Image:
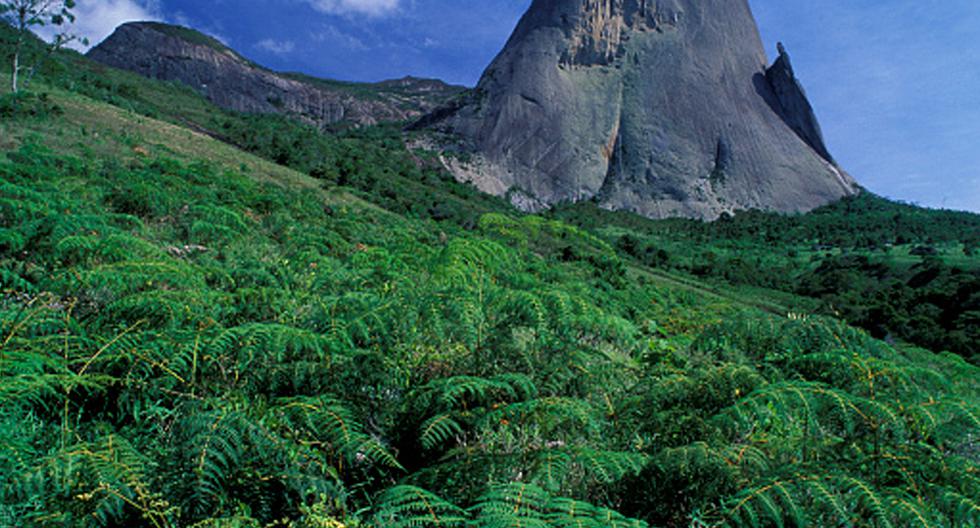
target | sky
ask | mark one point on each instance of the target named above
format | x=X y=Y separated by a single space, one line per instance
x=895 y=83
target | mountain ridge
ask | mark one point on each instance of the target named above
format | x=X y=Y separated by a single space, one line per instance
x=233 y=82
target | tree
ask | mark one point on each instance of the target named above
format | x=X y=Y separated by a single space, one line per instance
x=971 y=245
x=26 y=15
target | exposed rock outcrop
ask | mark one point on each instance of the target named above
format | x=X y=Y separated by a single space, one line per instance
x=792 y=104
x=230 y=81
x=661 y=107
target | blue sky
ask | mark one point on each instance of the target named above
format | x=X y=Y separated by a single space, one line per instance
x=896 y=83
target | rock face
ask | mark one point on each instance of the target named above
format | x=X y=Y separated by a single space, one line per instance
x=660 y=107
x=230 y=81
x=791 y=103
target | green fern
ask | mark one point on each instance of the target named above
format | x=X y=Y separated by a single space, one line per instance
x=412 y=507
x=335 y=428
x=438 y=430
x=524 y=505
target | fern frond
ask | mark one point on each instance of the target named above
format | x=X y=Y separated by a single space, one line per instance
x=869 y=498
x=960 y=509
x=459 y=391
x=912 y=513
x=828 y=499
x=412 y=507
x=560 y=415
x=523 y=505
x=437 y=430
x=332 y=424
x=609 y=466
x=803 y=405
x=461 y=255
x=214 y=447
x=512 y=505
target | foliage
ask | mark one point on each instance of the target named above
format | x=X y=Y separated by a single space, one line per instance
x=26 y=16
x=184 y=343
x=898 y=271
x=256 y=352
x=26 y=105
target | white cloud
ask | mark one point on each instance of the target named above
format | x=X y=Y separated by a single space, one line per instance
x=97 y=19
x=338 y=37
x=278 y=47
x=355 y=7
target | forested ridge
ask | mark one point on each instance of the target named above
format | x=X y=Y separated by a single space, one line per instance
x=193 y=335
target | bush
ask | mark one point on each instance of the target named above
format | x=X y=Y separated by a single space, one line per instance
x=28 y=105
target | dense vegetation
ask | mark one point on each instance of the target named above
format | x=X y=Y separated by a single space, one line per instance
x=896 y=270
x=187 y=340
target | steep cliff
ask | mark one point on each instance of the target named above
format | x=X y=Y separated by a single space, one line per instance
x=229 y=80
x=792 y=104
x=661 y=107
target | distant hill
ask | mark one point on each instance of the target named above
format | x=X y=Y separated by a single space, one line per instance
x=231 y=81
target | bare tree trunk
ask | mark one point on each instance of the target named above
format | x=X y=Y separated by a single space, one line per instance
x=13 y=77
x=22 y=28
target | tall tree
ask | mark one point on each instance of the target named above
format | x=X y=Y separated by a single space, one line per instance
x=27 y=15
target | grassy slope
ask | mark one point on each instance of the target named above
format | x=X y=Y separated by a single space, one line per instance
x=101 y=131
x=193 y=334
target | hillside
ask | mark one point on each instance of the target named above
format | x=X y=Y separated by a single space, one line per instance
x=899 y=271
x=224 y=320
